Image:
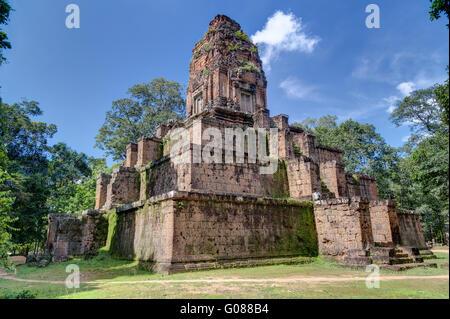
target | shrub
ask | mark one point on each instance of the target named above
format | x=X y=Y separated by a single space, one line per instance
x=240 y=34
x=249 y=66
x=23 y=294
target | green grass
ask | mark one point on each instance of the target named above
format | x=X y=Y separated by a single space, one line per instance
x=105 y=274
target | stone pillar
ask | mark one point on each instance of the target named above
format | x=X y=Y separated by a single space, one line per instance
x=373 y=189
x=411 y=233
x=132 y=150
x=162 y=130
x=303 y=178
x=261 y=118
x=101 y=189
x=281 y=121
x=332 y=173
x=149 y=150
x=384 y=222
x=344 y=229
x=367 y=186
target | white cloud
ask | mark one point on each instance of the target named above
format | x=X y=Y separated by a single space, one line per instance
x=391 y=109
x=406 y=87
x=294 y=88
x=390 y=101
x=283 y=32
x=405 y=138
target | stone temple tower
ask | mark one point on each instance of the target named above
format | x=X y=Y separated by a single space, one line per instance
x=176 y=206
x=226 y=79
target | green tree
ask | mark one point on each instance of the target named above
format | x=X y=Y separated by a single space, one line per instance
x=26 y=145
x=438 y=7
x=365 y=151
x=149 y=105
x=5 y=9
x=441 y=94
x=72 y=178
x=6 y=202
x=427 y=156
x=420 y=110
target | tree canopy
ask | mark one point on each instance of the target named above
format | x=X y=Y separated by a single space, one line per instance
x=148 y=105
x=438 y=7
x=5 y=9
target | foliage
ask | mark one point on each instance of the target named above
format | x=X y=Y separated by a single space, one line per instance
x=149 y=105
x=6 y=201
x=241 y=34
x=233 y=47
x=438 y=7
x=425 y=167
x=23 y=294
x=441 y=94
x=421 y=109
x=5 y=9
x=248 y=66
x=46 y=178
x=72 y=177
x=206 y=48
x=25 y=142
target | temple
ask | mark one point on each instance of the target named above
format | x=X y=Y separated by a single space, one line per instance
x=196 y=195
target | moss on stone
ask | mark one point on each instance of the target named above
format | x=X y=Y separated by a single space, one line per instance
x=279 y=188
x=112 y=227
x=297 y=150
x=302 y=240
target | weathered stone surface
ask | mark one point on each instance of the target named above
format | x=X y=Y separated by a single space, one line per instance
x=149 y=149
x=123 y=187
x=132 y=155
x=343 y=226
x=410 y=229
x=102 y=189
x=75 y=234
x=192 y=228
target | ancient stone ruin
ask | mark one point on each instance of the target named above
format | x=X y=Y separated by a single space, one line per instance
x=192 y=198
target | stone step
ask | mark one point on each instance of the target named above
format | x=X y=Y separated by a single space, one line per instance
x=401 y=260
x=401 y=267
x=401 y=255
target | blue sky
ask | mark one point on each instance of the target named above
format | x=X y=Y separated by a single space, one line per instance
x=324 y=60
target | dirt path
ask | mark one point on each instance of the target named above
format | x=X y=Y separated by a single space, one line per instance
x=439 y=251
x=231 y=280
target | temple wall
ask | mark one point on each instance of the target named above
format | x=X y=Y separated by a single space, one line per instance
x=144 y=234
x=196 y=230
x=327 y=154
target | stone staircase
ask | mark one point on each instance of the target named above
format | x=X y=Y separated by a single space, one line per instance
x=392 y=258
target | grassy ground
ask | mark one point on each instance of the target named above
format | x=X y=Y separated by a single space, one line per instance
x=107 y=278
